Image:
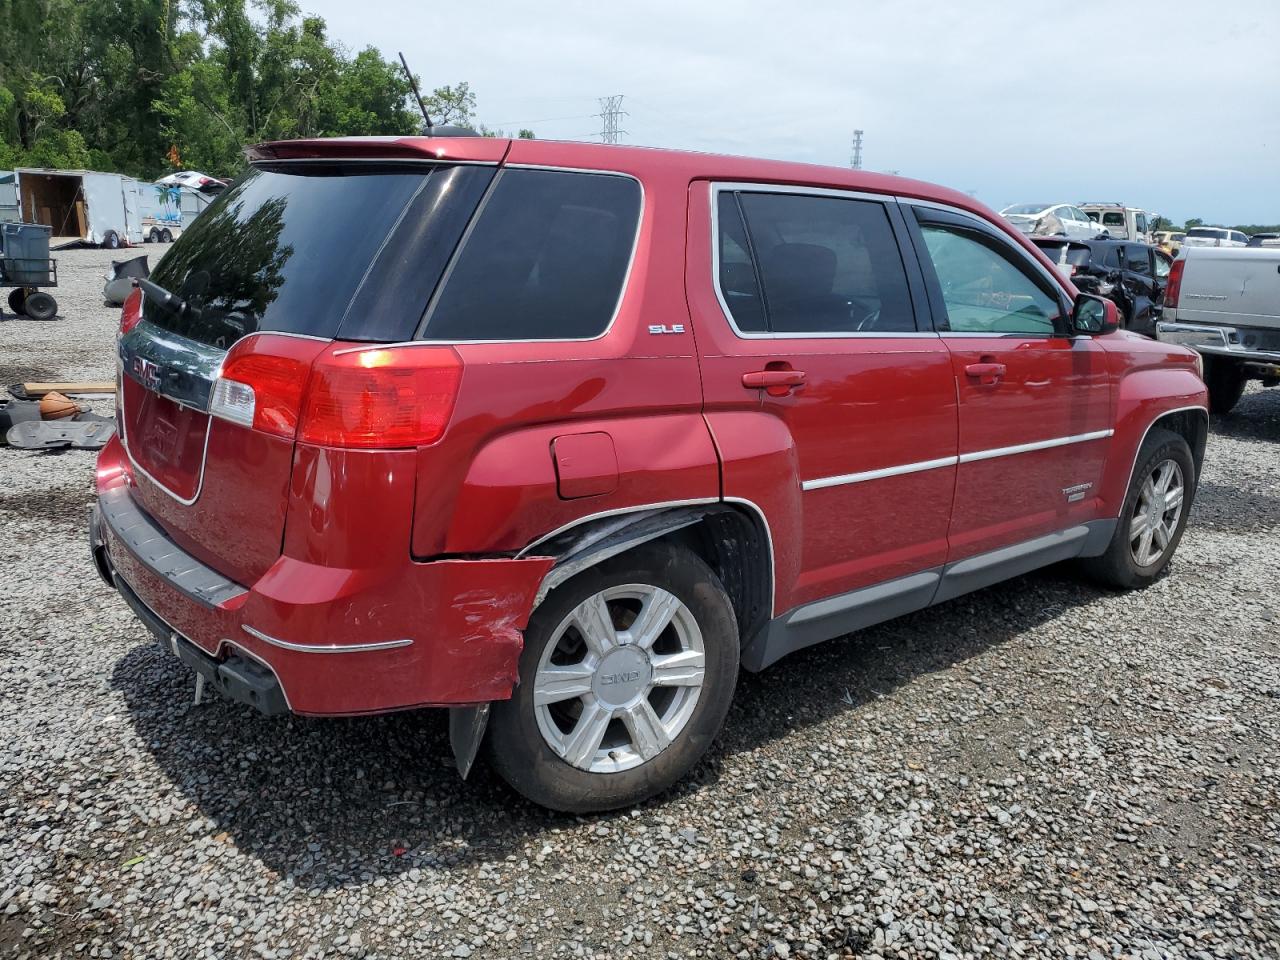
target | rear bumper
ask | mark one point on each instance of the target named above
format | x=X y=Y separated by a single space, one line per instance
x=1249 y=344
x=332 y=641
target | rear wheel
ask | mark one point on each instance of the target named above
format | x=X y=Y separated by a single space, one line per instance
x=1226 y=383
x=17 y=299
x=153 y=236
x=626 y=677
x=1154 y=515
x=166 y=235
x=111 y=240
x=40 y=306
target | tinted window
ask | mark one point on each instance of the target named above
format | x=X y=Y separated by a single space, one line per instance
x=738 y=282
x=1110 y=256
x=1239 y=237
x=1092 y=215
x=299 y=248
x=828 y=265
x=983 y=289
x=1138 y=260
x=1113 y=219
x=1207 y=232
x=546 y=259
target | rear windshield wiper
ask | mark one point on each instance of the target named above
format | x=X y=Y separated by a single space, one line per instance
x=162 y=297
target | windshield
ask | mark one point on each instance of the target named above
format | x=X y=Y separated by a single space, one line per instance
x=1026 y=208
x=299 y=248
x=1207 y=232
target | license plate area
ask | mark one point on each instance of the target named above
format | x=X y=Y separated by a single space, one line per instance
x=165 y=439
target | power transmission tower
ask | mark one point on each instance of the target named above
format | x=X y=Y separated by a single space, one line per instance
x=610 y=111
x=855 y=160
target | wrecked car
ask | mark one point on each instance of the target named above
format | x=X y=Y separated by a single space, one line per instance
x=560 y=436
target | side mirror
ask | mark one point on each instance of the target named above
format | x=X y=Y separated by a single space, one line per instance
x=1094 y=316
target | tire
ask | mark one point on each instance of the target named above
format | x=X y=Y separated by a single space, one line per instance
x=111 y=240
x=17 y=300
x=533 y=746
x=166 y=235
x=153 y=236
x=1127 y=565
x=1226 y=384
x=41 y=306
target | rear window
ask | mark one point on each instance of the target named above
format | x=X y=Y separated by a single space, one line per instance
x=1113 y=219
x=318 y=249
x=1207 y=232
x=546 y=259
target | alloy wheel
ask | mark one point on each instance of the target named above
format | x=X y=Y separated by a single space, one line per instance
x=619 y=678
x=1156 y=513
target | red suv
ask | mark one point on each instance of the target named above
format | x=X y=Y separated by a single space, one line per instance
x=559 y=436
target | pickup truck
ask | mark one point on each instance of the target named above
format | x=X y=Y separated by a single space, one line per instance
x=1225 y=302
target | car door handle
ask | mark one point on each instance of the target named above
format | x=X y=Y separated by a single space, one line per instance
x=986 y=373
x=768 y=379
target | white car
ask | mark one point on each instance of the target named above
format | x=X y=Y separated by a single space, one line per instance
x=194 y=180
x=1214 y=237
x=1051 y=220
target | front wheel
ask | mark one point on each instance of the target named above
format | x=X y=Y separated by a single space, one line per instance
x=1154 y=515
x=626 y=677
x=111 y=240
x=17 y=300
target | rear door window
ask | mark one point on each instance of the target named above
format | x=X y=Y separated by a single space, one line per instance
x=827 y=265
x=1138 y=260
x=739 y=284
x=326 y=250
x=546 y=259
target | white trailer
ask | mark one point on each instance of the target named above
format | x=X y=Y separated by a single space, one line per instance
x=81 y=206
x=167 y=208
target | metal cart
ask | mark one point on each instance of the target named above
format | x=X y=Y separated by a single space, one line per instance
x=25 y=265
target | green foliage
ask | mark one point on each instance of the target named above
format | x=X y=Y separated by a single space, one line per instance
x=147 y=86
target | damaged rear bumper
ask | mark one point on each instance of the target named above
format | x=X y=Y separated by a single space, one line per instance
x=320 y=640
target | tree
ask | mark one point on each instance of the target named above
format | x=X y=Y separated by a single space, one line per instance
x=451 y=105
x=147 y=86
x=1193 y=222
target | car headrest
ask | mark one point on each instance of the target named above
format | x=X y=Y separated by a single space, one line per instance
x=793 y=270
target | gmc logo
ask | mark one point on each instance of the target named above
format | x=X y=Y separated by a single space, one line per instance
x=146 y=373
x=627 y=677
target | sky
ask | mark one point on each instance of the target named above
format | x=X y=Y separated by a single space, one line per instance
x=1172 y=106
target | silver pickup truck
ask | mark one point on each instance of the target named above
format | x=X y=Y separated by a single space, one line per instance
x=1225 y=302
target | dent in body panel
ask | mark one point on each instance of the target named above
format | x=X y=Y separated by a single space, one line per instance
x=756 y=450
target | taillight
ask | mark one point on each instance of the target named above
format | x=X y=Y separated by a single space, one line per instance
x=262 y=383
x=131 y=313
x=1173 y=286
x=376 y=397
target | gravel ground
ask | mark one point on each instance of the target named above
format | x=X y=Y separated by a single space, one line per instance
x=1037 y=770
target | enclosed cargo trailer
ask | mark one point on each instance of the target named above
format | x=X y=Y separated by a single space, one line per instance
x=80 y=206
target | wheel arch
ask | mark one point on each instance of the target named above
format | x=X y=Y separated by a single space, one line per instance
x=1189 y=422
x=732 y=538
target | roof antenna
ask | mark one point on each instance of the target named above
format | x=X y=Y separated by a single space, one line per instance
x=414 y=84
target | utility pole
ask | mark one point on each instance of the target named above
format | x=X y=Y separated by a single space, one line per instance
x=855 y=160
x=610 y=111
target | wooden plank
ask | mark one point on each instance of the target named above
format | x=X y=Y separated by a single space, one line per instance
x=37 y=390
